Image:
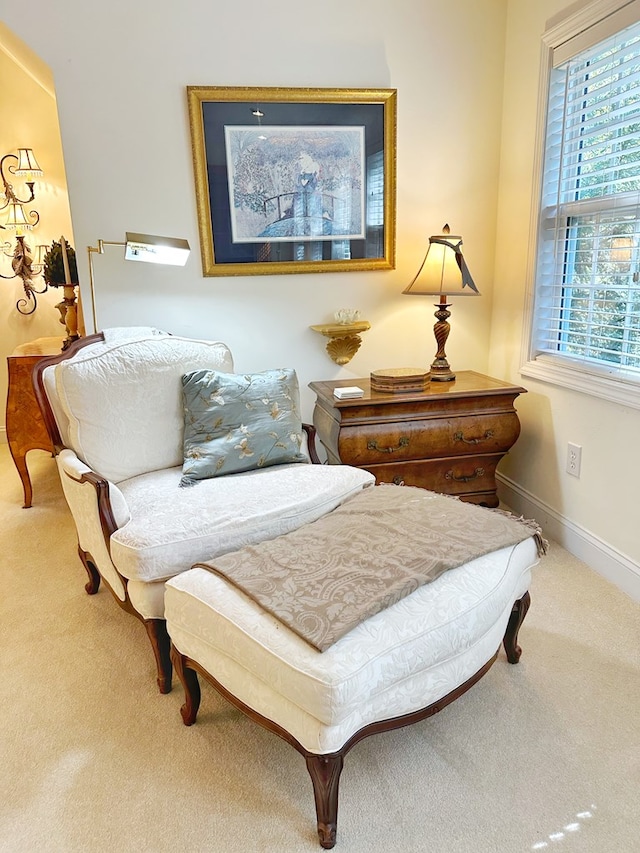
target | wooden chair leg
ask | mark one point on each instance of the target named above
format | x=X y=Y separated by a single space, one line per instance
x=160 y=643
x=93 y=584
x=518 y=613
x=191 y=685
x=325 y=773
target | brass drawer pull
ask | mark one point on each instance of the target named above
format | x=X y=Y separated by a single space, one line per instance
x=373 y=445
x=459 y=436
x=479 y=472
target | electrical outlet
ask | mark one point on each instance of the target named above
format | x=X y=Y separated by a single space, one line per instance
x=574 y=459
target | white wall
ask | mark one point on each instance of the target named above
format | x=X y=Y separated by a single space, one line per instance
x=120 y=72
x=596 y=515
x=29 y=118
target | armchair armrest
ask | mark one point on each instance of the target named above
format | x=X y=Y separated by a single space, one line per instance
x=112 y=507
x=310 y=430
x=98 y=508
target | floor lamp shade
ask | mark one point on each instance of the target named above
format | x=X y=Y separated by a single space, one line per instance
x=147 y=248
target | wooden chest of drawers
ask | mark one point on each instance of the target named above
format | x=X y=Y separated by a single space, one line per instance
x=448 y=438
x=25 y=427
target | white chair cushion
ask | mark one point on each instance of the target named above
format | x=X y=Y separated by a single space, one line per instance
x=111 y=336
x=398 y=661
x=123 y=401
x=170 y=528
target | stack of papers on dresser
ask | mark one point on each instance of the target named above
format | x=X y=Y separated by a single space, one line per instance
x=350 y=392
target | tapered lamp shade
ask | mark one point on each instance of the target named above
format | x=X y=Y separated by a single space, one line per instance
x=444 y=270
x=443 y=274
x=27 y=163
x=16 y=217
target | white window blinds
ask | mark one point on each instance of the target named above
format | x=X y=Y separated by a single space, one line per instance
x=587 y=304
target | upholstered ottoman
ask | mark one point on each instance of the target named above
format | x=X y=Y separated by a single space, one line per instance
x=409 y=593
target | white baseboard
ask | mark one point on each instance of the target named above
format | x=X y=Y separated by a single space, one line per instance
x=596 y=553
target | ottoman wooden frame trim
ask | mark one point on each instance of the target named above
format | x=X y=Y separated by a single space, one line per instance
x=325 y=769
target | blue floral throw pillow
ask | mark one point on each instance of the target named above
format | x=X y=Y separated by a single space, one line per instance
x=238 y=422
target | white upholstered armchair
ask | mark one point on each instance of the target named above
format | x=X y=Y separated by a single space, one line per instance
x=113 y=405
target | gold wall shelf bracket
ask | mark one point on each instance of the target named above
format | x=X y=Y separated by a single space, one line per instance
x=344 y=340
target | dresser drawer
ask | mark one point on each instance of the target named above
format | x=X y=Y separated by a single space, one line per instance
x=453 y=476
x=425 y=439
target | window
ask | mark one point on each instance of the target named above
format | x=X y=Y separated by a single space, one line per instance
x=375 y=190
x=375 y=201
x=586 y=316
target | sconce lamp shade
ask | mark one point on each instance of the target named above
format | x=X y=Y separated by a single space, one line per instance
x=27 y=163
x=444 y=273
x=16 y=217
x=156 y=250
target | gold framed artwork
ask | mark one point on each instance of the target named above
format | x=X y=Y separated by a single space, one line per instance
x=294 y=180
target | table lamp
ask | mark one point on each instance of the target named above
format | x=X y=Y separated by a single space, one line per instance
x=443 y=273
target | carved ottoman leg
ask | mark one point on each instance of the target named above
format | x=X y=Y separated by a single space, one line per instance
x=518 y=613
x=160 y=643
x=93 y=584
x=325 y=773
x=189 y=680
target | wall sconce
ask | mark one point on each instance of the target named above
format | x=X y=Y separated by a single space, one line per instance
x=19 y=220
x=26 y=165
x=443 y=273
x=148 y=248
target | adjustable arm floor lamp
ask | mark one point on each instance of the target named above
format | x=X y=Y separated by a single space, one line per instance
x=148 y=248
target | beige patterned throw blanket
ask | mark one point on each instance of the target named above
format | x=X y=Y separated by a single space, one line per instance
x=328 y=576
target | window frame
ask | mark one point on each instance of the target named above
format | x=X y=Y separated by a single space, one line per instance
x=564 y=37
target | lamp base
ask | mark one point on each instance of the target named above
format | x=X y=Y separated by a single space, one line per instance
x=441 y=372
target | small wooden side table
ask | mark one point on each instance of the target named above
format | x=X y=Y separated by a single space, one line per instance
x=25 y=428
x=447 y=438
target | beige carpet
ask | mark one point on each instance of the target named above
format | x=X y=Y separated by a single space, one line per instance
x=540 y=756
